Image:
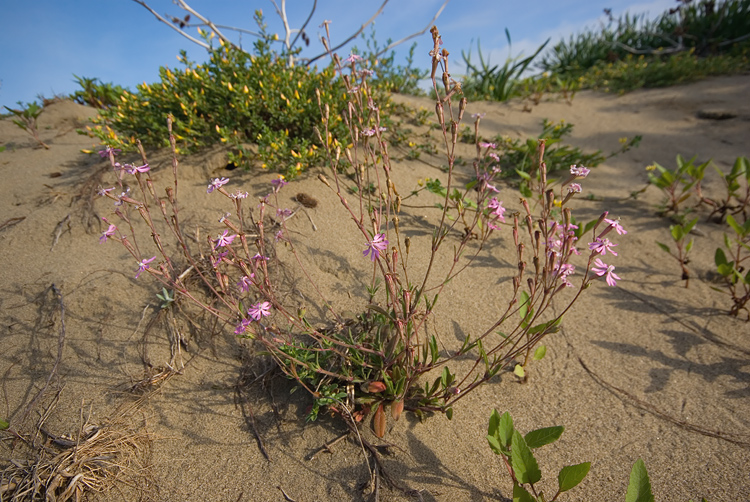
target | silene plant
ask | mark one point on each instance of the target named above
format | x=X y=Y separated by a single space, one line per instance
x=383 y=359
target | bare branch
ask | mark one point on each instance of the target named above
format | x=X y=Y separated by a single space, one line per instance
x=160 y=18
x=361 y=29
x=186 y=7
x=307 y=21
x=429 y=25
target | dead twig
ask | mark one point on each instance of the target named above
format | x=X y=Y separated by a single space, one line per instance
x=59 y=230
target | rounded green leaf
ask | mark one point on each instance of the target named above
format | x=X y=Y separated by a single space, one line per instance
x=519 y=371
x=3 y=424
x=571 y=475
x=541 y=437
x=540 y=352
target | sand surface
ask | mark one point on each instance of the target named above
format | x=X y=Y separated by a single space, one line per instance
x=648 y=369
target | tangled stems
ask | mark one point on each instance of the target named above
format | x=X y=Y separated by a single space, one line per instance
x=381 y=356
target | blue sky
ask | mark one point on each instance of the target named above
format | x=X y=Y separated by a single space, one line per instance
x=45 y=42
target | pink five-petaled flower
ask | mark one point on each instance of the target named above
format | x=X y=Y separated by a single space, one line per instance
x=579 y=171
x=376 y=245
x=278 y=183
x=107 y=233
x=601 y=246
x=484 y=144
x=224 y=239
x=615 y=224
x=600 y=268
x=143 y=265
x=104 y=191
x=245 y=283
x=499 y=210
x=260 y=309
x=373 y=131
x=217 y=183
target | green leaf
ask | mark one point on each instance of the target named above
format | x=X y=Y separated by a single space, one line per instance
x=735 y=226
x=639 y=488
x=664 y=247
x=434 y=353
x=3 y=424
x=523 y=462
x=725 y=269
x=521 y=495
x=540 y=352
x=519 y=371
x=449 y=413
x=524 y=307
x=505 y=429
x=495 y=445
x=690 y=226
x=677 y=232
x=720 y=258
x=541 y=437
x=571 y=475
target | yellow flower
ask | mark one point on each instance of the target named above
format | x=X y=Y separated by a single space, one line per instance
x=651 y=167
x=623 y=140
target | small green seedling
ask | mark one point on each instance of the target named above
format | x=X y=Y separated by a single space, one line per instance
x=26 y=119
x=516 y=452
x=679 y=233
x=166 y=297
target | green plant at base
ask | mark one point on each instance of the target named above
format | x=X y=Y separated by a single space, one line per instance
x=516 y=452
x=26 y=119
x=260 y=107
x=679 y=232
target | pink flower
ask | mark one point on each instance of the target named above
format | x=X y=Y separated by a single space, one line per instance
x=242 y=326
x=615 y=224
x=352 y=58
x=104 y=191
x=245 y=283
x=217 y=183
x=601 y=246
x=239 y=195
x=574 y=188
x=579 y=171
x=484 y=144
x=494 y=156
x=143 y=265
x=136 y=169
x=105 y=153
x=259 y=310
x=107 y=233
x=278 y=183
x=219 y=258
x=600 y=268
x=376 y=245
x=499 y=210
x=373 y=131
x=224 y=239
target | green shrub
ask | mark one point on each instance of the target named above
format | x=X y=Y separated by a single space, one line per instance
x=260 y=106
x=705 y=28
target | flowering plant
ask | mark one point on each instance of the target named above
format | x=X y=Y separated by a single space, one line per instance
x=384 y=357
